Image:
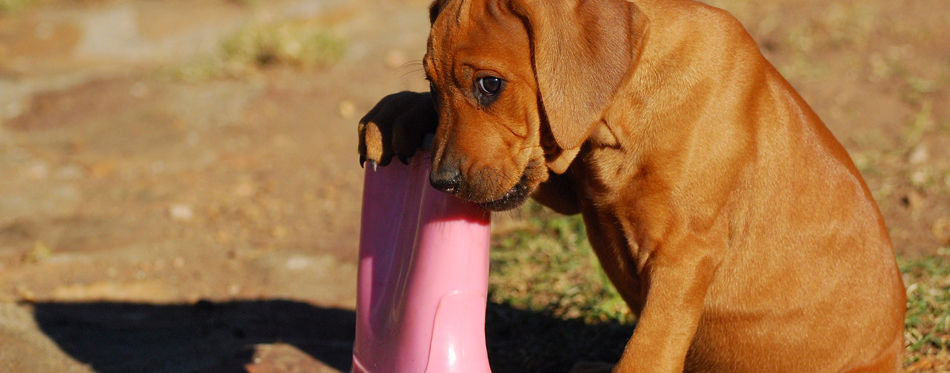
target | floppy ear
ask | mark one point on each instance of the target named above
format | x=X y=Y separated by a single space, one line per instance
x=435 y=9
x=583 y=51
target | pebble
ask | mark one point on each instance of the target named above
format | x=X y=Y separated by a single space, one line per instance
x=181 y=212
x=39 y=171
x=914 y=200
x=245 y=189
x=919 y=177
x=14 y=109
x=347 y=109
x=25 y=293
x=297 y=263
x=918 y=155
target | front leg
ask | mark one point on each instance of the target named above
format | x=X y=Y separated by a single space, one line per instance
x=557 y=193
x=677 y=273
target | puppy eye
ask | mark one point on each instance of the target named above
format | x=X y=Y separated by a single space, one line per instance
x=489 y=85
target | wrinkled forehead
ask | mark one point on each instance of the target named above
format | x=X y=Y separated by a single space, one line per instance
x=472 y=25
x=450 y=15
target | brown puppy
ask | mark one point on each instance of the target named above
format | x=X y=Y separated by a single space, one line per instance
x=732 y=222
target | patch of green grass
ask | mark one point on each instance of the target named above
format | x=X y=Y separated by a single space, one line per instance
x=16 y=6
x=245 y=2
x=13 y=6
x=297 y=44
x=921 y=124
x=804 y=67
x=545 y=264
x=927 y=327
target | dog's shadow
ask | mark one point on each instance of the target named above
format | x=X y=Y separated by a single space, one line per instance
x=219 y=337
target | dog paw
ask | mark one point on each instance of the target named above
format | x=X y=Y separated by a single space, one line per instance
x=591 y=367
x=396 y=126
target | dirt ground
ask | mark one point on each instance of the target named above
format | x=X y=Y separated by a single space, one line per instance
x=150 y=222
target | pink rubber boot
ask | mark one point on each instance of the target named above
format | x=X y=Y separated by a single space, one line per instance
x=423 y=276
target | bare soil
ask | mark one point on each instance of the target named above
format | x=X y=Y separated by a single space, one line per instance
x=154 y=223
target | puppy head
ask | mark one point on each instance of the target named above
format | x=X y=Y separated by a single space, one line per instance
x=519 y=85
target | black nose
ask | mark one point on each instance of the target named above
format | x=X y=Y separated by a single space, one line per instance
x=446 y=179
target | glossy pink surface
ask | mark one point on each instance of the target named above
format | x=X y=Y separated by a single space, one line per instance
x=423 y=276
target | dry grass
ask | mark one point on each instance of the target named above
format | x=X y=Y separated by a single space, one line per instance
x=544 y=263
x=551 y=305
x=304 y=45
x=928 y=311
x=297 y=44
x=13 y=6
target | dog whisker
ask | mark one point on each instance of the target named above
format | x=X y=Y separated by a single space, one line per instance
x=412 y=63
x=422 y=75
x=411 y=66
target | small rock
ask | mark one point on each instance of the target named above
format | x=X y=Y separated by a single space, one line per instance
x=919 y=178
x=861 y=161
x=181 y=212
x=298 y=263
x=347 y=109
x=14 y=109
x=245 y=189
x=913 y=200
x=39 y=171
x=282 y=357
x=918 y=155
x=25 y=293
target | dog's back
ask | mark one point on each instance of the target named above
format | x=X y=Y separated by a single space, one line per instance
x=810 y=270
